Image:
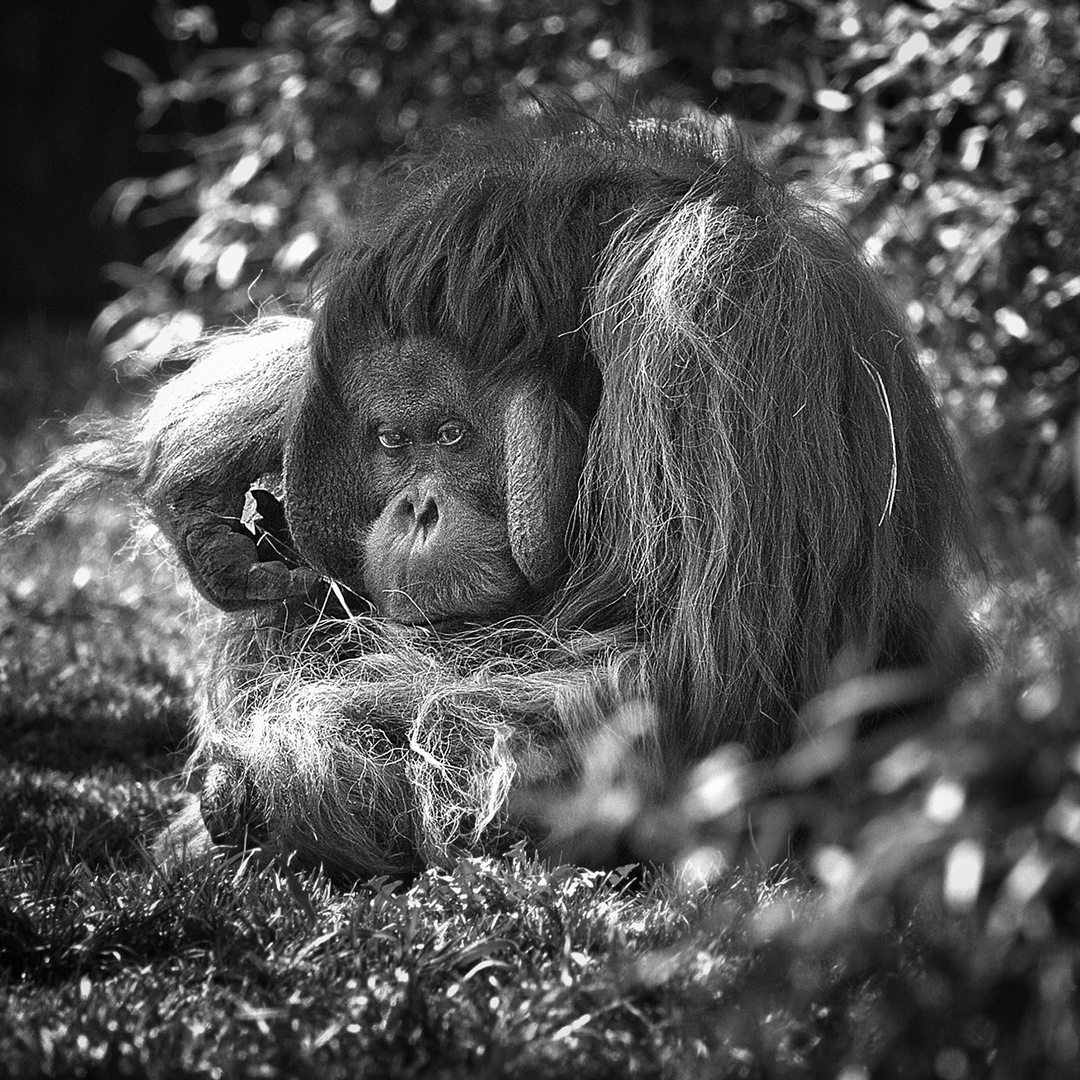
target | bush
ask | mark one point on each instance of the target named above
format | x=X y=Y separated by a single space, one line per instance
x=957 y=125
x=326 y=92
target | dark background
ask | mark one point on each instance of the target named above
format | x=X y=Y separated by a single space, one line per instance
x=69 y=130
x=70 y=121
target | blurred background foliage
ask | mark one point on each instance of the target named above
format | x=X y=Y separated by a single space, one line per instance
x=946 y=132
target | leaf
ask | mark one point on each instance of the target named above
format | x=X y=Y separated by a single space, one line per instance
x=229 y=264
x=481 y=950
x=832 y=100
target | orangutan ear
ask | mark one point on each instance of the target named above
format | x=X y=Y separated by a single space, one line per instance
x=545 y=448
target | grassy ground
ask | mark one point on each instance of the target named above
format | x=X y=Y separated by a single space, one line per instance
x=946 y=939
x=109 y=967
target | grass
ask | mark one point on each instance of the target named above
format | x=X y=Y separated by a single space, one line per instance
x=108 y=967
x=891 y=963
x=503 y=968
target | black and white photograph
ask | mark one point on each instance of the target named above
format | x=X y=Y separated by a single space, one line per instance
x=540 y=539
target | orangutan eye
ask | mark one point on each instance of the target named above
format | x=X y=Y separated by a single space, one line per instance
x=451 y=434
x=390 y=439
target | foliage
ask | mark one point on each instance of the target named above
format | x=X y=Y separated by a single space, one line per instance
x=948 y=851
x=957 y=123
x=92 y=673
x=945 y=132
x=500 y=969
x=328 y=90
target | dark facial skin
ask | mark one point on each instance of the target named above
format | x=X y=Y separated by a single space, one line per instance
x=436 y=546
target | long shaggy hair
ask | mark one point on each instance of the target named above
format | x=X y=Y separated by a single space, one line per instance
x=766 y=484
